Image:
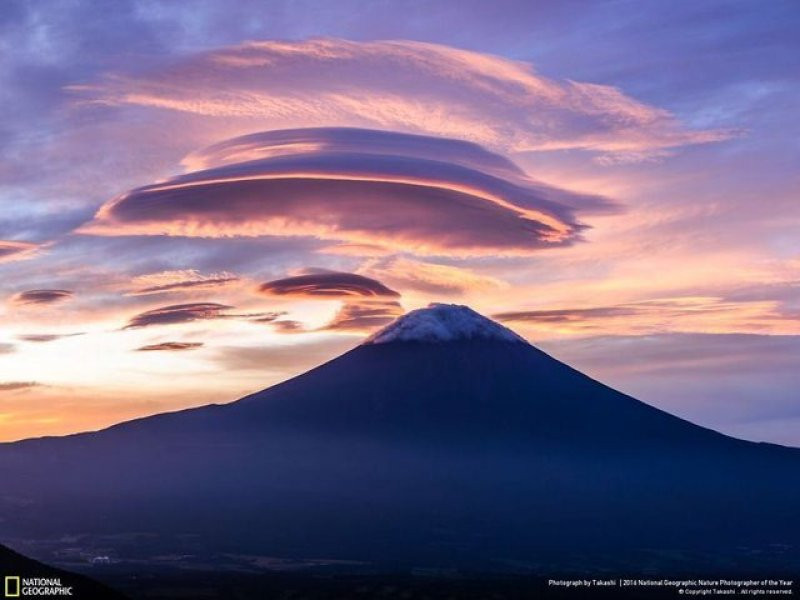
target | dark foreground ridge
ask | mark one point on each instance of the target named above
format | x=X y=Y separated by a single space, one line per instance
x=446 y=442
x=13 y=565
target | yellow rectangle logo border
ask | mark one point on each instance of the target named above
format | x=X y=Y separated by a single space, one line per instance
x=7 y=590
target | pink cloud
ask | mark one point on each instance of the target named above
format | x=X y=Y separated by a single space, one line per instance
x=179 y=281
x=428 y=277
x=407 y=86
x=366 y=188
x=11 y=250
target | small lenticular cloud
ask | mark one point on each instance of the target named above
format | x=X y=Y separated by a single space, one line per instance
x=170 y=346
x=367 y=303
x=288 y=326
x=45 y=337
x=42 y=296
x=328 y=284
x=178 y=313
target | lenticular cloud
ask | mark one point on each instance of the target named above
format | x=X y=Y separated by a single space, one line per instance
x=327 y=284
x=390 y=191
x=367 y=303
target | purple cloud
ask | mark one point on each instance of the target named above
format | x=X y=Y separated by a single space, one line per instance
x=194 y=311
x=42 y=296
x=424 y=195
x=178 y=313
x=328 y=284
x=367 y=302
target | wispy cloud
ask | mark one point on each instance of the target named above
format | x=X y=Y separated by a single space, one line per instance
x=364 y=316
x=188 y=280
x=408 y=86
x=45 y=337
x=10 y=250
x=194 y=311
x=681 y=313
x=298 y=356
x=13 y=386
x=429 y=278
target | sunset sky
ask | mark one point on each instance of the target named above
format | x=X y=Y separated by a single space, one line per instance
x=200 y=199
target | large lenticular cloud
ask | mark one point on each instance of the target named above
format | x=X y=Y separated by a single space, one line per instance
x=407 y=86
x=428 y=196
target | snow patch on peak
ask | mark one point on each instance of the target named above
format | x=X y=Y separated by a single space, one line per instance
x=443 y=323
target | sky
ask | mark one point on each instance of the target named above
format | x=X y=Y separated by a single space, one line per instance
x=200 y=199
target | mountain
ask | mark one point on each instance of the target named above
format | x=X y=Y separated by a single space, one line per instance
x=443 y=441
x=16 y=565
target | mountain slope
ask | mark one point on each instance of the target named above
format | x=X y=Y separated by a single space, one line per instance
x=443 y=440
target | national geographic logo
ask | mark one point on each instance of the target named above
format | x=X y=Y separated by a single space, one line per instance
x=23 y=587
x=12 y=587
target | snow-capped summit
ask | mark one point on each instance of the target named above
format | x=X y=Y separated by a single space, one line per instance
x=442 y=323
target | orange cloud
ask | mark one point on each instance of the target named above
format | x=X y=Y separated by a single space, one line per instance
x=407 y=86
x=364 y=316
x=686 y=314
x=428 y=277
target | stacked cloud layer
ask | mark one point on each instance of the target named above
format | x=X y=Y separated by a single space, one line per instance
x=375 y=189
